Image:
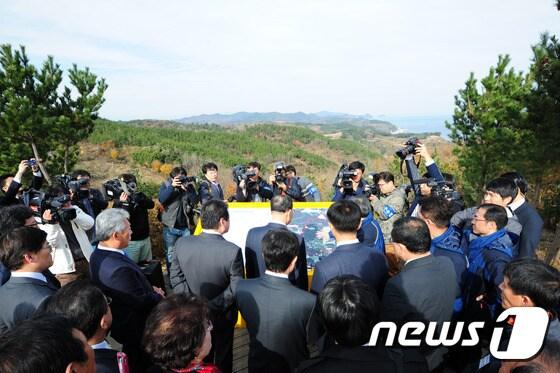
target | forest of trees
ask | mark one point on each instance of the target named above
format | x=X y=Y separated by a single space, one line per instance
x=510 y=120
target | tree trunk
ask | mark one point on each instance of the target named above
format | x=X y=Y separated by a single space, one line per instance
x=43 y=170
x=66 y=159
x=553 y=253
x=538 y=187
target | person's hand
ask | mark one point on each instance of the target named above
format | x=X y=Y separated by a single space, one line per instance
x=47 y=215
x=123 y=197
x=176 y=183
x=23 y=166
x=422 y=151
x=159 y=291
x=282 y=186
x=373 y=198
x=271 y=179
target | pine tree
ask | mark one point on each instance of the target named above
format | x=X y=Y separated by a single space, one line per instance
x=487 y=126
x=35 y=118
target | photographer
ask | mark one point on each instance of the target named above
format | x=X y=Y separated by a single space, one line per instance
x=90 y=200
x=253 y=188
x=282 y=185
x=11 y=184
x=309 y=192
x=433 y=173
x=357 y=169
x=210 y=188
x=137 y=204
x=178 y=197
x=66 y=226
x=389 y=205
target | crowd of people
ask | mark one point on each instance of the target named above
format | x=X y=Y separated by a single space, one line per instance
x=71 y=279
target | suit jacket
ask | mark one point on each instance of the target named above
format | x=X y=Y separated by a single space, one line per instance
x=424 y=290
x=532 y=225
x=19 y=298
x=254 y=260
x=342 y=359
x=276 y=314
x=207 y=265
x=106 y=361
x=133 y=296
x=208 y=191
x=354 y=259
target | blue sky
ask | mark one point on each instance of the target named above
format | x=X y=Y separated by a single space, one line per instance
x=176 y=58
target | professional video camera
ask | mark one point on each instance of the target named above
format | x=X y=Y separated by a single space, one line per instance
x=240 y=173
x=409 y=148
x=279 y=172
x=345 y=176
x=59 y=214
x=73 y=185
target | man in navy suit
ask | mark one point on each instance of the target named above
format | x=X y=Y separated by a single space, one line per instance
x=87 y=308
x=26 y=253
x=122 y=280
x=281 y=215
x=350 y=256
x=531 y=221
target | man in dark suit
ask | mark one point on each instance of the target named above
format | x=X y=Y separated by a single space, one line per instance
x=207 y=265
x=26 y=253
x=210 y=188
x=531 y=221
x=275 y=311
x=87 y=308
x=348 y=308
x=350 y=256
x=122 y=280
x=281 y=212
x=426 y=287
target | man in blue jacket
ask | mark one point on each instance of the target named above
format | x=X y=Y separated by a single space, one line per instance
x=489 y=251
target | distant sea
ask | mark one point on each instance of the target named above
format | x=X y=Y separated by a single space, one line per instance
x=431 y=123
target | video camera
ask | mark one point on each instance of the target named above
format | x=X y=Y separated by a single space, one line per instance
x=443 y=189
x=409 y=148
x=73 y=185
x=240 y=173
x=279 y=172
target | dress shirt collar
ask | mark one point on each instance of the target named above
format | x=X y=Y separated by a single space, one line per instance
x=36 y=275
x=211 y=231
x=413 y=259
x=276 y=274
x=350 y=242
x=101 y=247
x=104 y=345
x=515 y=205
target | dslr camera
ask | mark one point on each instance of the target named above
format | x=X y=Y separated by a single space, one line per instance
x=371 y=188
x=279 y=173
x=409 y=148
x=59 y=213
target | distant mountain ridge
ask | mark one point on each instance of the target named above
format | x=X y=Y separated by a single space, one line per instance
x=320 y=118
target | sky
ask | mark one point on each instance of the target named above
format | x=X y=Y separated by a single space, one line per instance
x=171 y=59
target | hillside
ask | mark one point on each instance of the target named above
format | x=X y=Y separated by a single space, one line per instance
x=150 y=148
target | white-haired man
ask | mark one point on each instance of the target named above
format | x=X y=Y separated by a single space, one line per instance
x=123 y=281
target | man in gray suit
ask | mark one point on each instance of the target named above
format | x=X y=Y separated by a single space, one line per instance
x=281 y=213
x=426 y=287
x=26 y=253
x=275 y=311
x=209 y=266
